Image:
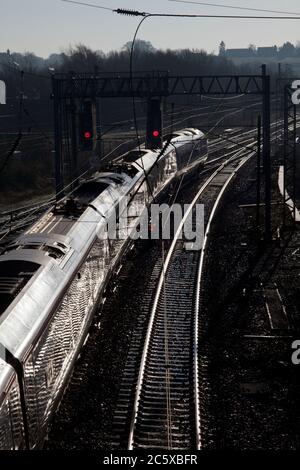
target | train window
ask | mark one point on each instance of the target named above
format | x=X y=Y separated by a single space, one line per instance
x=132 y=171
x=31 y=247
x=53 y=252
x=89 y=190
x=128 y=169
x=61 y=245
x=134 y=155
x=14 y=275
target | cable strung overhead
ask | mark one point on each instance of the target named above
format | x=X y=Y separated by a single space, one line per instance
x=88 y=5
x=233 y=7
x=123 y=11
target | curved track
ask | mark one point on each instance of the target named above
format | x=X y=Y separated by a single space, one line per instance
x=167 y=404
x=161 y=395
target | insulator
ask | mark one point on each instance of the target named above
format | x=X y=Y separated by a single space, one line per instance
x=121 y=11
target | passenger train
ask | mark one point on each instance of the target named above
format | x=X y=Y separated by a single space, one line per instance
x=54 y=275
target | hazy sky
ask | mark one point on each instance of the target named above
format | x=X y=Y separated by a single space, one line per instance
x=45 y=26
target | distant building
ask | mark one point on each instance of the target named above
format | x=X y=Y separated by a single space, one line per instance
x=252 y=53
x=234 y=53
x=267 y=51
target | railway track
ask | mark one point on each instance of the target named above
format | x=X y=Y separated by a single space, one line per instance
x=160 y=398
x=164 y=385
x=170 y=388
x=18 y=219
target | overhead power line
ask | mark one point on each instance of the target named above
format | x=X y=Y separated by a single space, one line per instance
x=88 y=4
x=179 y=15
x=219 y=5
x=127 y=12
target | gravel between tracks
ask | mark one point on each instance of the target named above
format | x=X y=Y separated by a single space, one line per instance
x=254 y=388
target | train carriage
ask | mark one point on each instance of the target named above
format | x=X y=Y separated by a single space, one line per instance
x=52 y=277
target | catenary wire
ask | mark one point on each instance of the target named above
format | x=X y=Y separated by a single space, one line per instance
x=234 y=7
x=127 y=12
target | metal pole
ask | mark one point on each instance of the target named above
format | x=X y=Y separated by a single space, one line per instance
x=285 y=151
x=98 y=115
x=258 y=171
x=278 y=102
x=58 y=139
x=74 y=168
x=267 y=152
x=294 y=160
x=21 y=108
x=289 y=163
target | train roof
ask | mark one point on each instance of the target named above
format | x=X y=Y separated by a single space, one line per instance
x=38 y=265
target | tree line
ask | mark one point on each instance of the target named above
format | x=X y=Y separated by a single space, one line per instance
x=28 y=79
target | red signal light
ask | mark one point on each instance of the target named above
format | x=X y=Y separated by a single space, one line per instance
x=155 y=133
x=87 y=135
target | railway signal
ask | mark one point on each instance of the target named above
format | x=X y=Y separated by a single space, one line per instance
x=154 y=124
x=86 y=126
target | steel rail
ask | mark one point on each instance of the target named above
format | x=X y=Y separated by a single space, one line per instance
x=164 y=271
